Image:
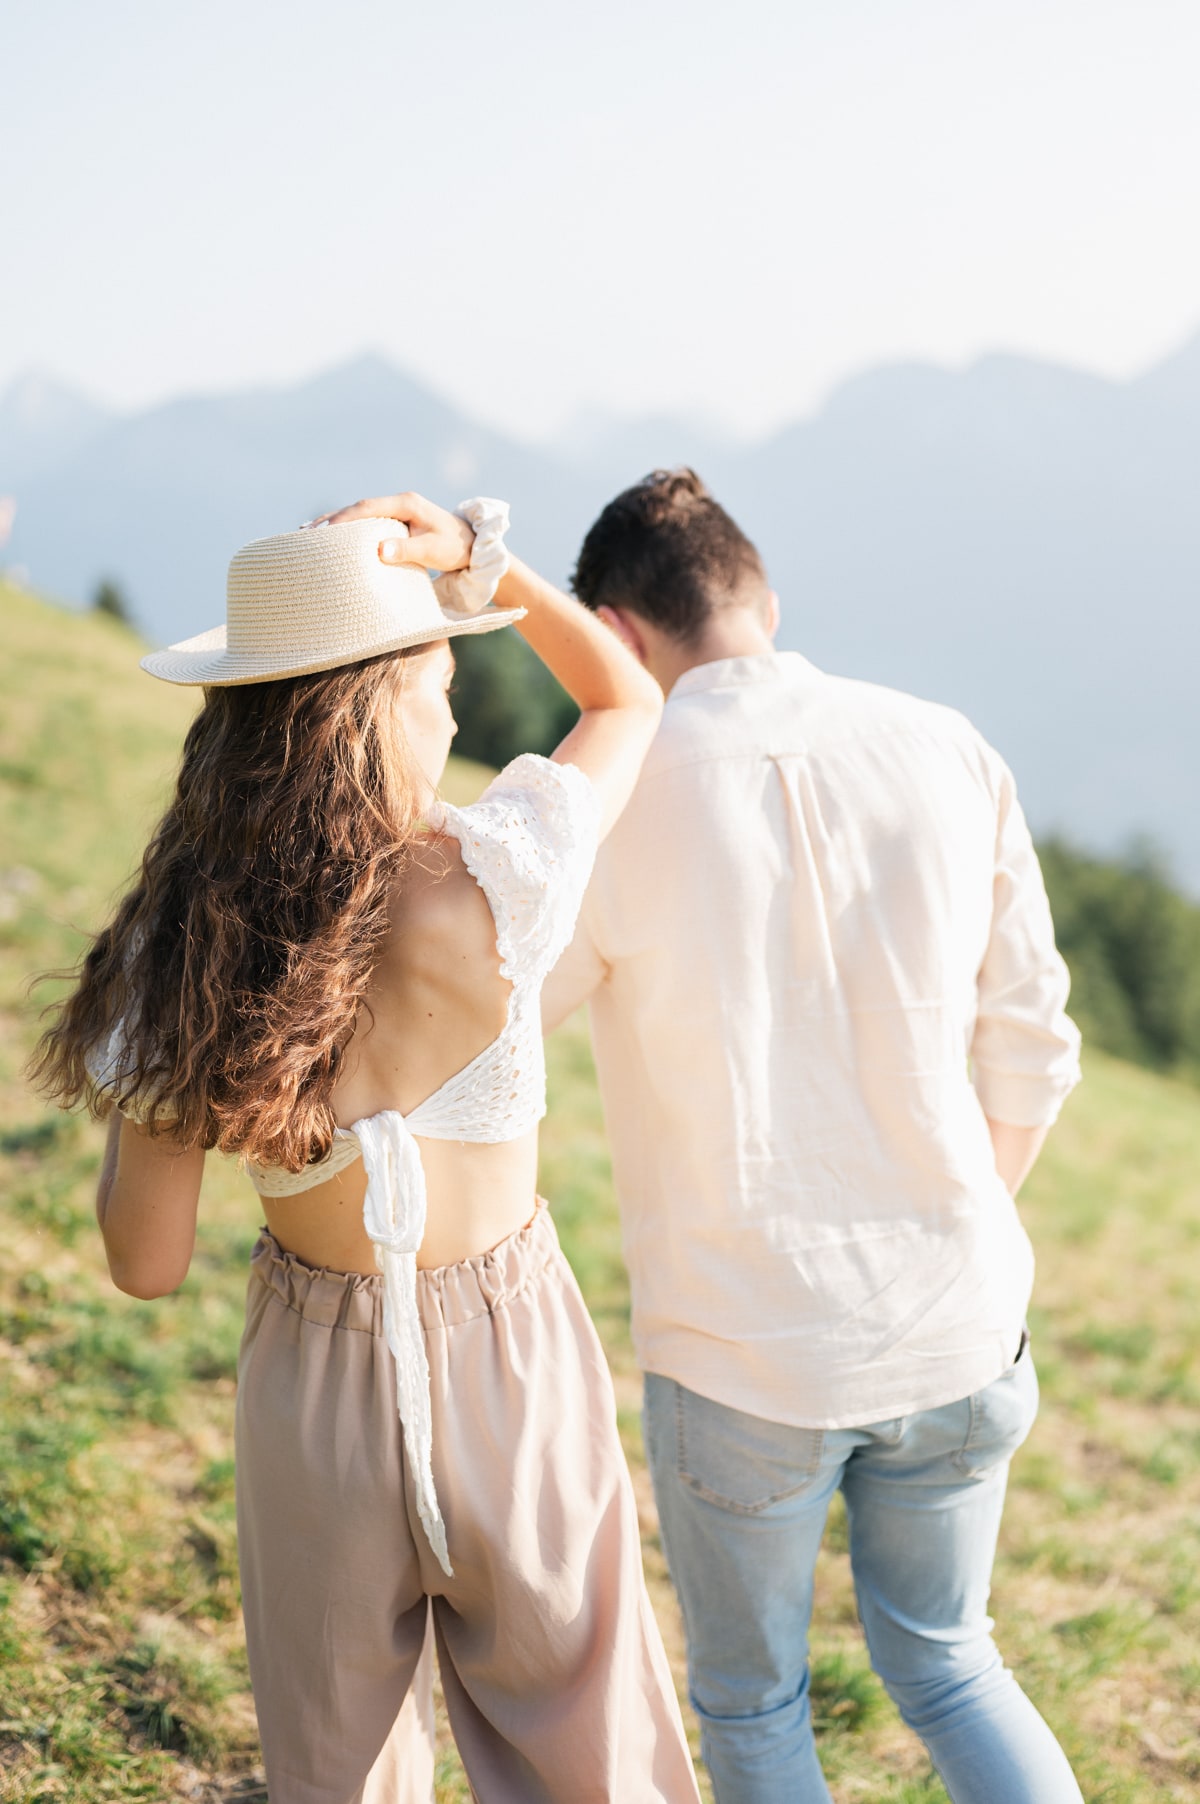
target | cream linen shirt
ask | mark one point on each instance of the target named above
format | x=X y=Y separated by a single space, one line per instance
x=818 y=949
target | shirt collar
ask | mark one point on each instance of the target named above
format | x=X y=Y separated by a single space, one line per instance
x=737 y=673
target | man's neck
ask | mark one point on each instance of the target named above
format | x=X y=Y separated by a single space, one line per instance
x=732 y=633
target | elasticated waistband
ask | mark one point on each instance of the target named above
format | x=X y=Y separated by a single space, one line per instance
x=447 y=1295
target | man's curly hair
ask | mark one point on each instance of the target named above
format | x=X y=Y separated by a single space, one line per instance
x=667 y=551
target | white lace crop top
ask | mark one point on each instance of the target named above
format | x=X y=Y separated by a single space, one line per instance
x=530 y=843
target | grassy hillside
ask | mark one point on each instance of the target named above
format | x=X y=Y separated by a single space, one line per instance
x=122 y=1673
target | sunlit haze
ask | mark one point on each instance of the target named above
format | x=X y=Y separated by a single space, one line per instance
x=543 y=210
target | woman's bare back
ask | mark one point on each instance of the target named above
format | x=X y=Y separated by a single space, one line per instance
x=436 y=1001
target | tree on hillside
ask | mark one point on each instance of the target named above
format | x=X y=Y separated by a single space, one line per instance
x=110 y=599
x=505 y=700
x=1132 y=944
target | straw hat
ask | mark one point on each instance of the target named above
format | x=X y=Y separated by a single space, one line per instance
x=313 y=600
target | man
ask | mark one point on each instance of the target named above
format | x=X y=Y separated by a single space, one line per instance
x=828 y=1021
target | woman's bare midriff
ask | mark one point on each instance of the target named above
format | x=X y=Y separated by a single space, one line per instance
x=477 y=1196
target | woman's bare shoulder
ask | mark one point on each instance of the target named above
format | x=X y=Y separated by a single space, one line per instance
x=436 y=996
x=438 y=911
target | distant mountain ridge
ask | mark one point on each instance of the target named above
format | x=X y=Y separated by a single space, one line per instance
x=41 y=422
x=1018 y=539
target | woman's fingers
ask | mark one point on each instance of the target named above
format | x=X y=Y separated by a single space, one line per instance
x=436 y=539
x=407 y=507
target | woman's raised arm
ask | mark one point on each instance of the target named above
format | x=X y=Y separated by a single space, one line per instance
x=620 y=704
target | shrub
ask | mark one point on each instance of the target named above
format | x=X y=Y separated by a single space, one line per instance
x=1132 y=943
x=110 y=599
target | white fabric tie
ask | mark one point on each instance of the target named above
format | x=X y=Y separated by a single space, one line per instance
x=394 y=1217
x=469 y=591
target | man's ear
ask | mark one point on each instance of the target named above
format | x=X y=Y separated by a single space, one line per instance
x=625 y=625
x=771 y=623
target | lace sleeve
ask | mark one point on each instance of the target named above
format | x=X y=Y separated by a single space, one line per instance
x=107 y=1068
x=530 y=843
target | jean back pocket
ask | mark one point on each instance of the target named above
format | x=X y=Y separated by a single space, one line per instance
x=738 y=1461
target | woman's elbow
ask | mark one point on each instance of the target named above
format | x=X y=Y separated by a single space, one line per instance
x=145 y=1282
x=649 y=702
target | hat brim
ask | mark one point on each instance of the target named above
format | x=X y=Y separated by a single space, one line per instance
x=206 y=659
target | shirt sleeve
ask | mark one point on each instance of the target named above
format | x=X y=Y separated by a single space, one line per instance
x=1025 y=1048
x=531 y=841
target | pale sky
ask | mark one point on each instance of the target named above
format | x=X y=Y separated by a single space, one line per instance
x=640 y=206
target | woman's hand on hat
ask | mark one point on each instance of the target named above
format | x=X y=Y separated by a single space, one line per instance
x=436 y=539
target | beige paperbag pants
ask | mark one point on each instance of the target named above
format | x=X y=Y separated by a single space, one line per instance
x=556 y=1683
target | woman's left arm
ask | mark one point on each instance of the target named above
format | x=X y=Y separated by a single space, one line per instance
x=146 y=1206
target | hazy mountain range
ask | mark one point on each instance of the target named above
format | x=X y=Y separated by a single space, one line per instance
x=1019 y=539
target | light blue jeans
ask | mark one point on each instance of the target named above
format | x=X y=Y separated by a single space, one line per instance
x=743 y=1502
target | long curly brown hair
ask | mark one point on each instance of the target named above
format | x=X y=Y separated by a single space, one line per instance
x=233 y=971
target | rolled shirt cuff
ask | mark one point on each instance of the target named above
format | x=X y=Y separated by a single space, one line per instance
x=1023 y=1099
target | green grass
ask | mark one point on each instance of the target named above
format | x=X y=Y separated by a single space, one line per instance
x=122 y=1667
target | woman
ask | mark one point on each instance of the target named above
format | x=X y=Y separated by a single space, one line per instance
x=329 y=973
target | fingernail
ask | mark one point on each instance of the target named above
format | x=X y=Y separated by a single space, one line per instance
x=304 y=524
x=389 y=551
